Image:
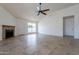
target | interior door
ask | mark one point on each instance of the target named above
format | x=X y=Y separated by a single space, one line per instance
x=68 y=26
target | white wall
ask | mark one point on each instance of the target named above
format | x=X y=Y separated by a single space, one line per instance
x=5 y=19
x=21 y=27
x=53 y=24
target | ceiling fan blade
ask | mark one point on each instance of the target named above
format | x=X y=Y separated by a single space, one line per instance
x=45 y=10
x=43 y=13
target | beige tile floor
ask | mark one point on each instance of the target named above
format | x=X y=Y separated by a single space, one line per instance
x=40 y=44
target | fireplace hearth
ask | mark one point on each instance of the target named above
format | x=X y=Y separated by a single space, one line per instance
x=8 y=31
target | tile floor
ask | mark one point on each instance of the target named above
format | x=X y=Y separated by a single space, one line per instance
x=40 y=44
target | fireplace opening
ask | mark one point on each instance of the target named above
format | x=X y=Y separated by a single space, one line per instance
x=8 y=31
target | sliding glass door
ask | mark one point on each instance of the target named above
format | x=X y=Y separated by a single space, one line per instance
x=31 y=27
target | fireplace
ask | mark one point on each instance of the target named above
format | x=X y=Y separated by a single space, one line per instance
x=8 y=31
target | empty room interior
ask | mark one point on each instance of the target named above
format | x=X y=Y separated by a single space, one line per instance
x=39 y=29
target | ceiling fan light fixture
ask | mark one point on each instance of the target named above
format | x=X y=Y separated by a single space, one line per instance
x=41 y=11
x=40 y=3
x=38 y=8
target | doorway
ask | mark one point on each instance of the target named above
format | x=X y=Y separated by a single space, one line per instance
x=31 y=27
x=68 y=26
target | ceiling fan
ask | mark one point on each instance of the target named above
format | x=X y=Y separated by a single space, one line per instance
x=40 y=11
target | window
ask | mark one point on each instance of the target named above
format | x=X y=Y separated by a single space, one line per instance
x=31 y=27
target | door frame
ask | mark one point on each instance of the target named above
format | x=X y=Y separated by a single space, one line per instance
x=73 y=24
